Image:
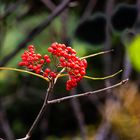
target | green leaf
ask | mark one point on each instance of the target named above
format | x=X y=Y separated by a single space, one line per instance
x=134 y=52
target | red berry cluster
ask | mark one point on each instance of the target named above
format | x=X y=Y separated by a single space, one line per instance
x=35 y=62
x=66 y=56
x=75 y=67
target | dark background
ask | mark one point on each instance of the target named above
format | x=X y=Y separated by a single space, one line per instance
x=89 y=26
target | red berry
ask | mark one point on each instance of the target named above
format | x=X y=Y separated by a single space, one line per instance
x=38 y=55
x=47 y=70
x=21 y=63
x=34 y=67
x=62 y=59
x=50 y=49
x=42 y=61
x=53 y=74
x=38 y=71
x=46 y=56
x=48 y=60
x=31 y=47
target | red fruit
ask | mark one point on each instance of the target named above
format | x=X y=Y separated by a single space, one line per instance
x=38 y=71
x=46 y=56
x=21 y=63
x=38 y=66
x=47 y=70
x=84 y=61
x=54 y=45
x=31 y=47
x=34 y=67
x=42 y=61
x=30 y=66
x=50 y=49
x=38 y=55
x=35 y=58
x=83 y=72
x=48 y=60
x=53 y=74
x=24 y=58
x=62 y=59
x=75 y=67
x=45 y=74
x=63 y=64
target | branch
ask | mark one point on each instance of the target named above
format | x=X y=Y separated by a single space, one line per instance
x=35 y=31
x=92 y=55
x=40 y=114
x=26 y=138
x=87 y=93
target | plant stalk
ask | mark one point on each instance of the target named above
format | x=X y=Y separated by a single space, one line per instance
x=41 y=112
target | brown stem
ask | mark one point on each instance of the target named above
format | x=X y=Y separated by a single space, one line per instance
x=87 y=93
x=41 y=112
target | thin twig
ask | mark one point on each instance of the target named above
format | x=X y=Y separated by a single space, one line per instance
x=42 y=109
x=87 y=93
x=103 y=78
x=41 y=112
x=24 y=71
x=92 y=55
x=58 y=75
x=35 y=31
x=25 y=138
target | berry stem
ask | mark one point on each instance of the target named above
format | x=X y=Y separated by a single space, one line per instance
x=25 y=71
x=58 y=75
x=103 y=78
x=92 y=55
x=96 y=78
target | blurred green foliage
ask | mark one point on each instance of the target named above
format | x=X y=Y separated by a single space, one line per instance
x=134 y=52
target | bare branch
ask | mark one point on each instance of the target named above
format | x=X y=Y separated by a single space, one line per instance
x=26 y=138
x=40 y=114
x=87 y=93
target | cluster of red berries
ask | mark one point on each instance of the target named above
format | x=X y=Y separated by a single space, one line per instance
x=35 y=62
x=66 y=56
x=75 y=67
